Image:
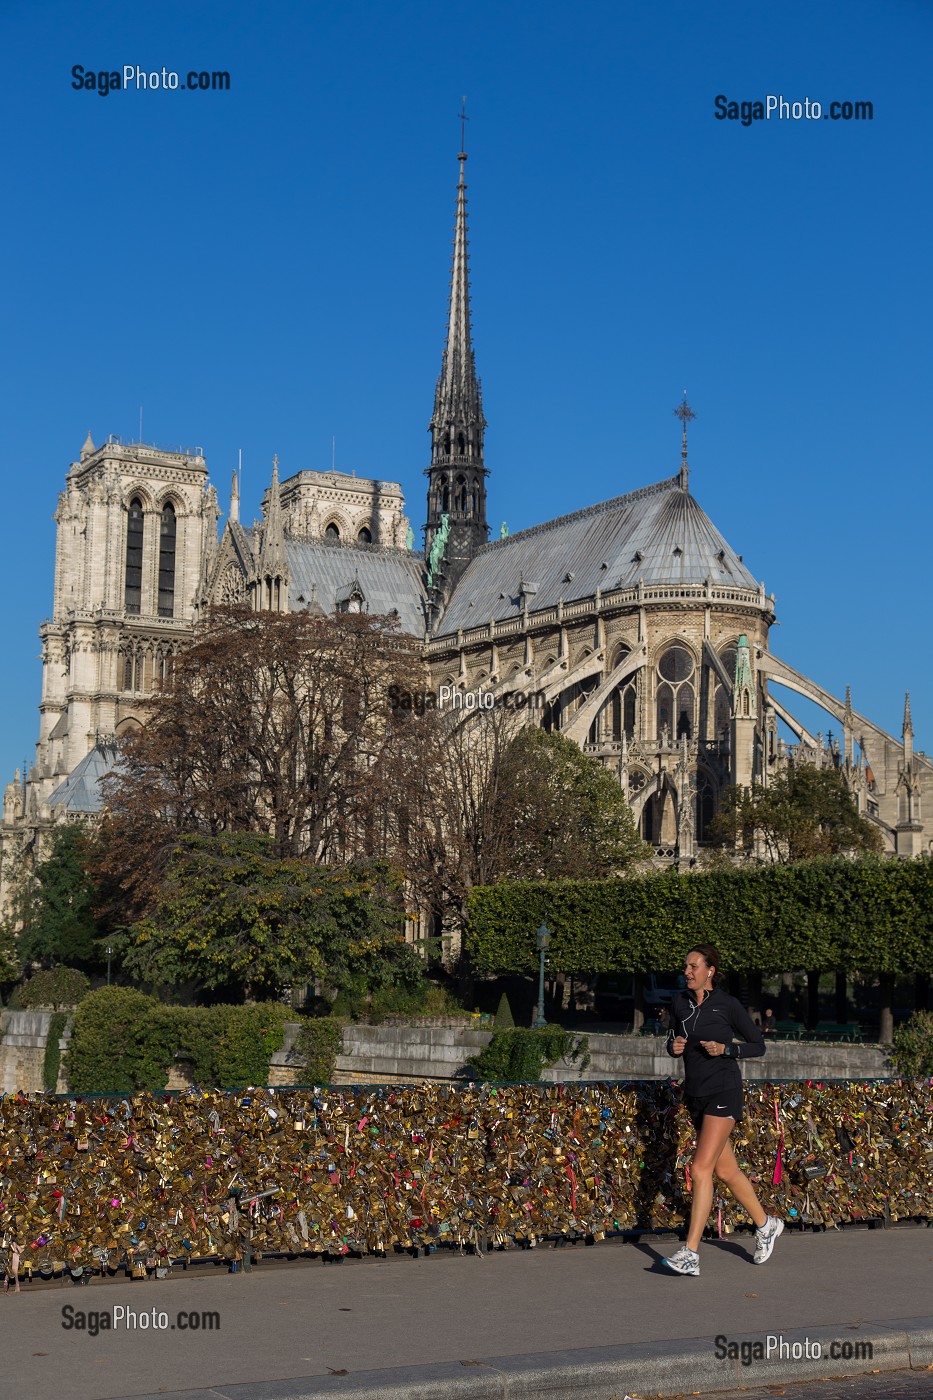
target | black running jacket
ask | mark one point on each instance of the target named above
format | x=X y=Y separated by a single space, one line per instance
x=721 y=1018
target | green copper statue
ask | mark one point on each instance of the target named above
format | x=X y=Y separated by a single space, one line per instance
x=437 y=548
x=503 y=531
x=409 y=539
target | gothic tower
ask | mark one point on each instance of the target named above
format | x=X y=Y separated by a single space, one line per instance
x=134 y=525
x=456 y=476
x=744 y=718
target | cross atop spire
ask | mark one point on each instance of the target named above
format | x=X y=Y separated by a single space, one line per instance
x=685 y=413
x=463 y=121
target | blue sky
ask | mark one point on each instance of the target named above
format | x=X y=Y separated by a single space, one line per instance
x=266 y=269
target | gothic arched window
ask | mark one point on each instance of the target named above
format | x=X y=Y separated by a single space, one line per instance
x=132 y=596
x=723 y=704
x=623 y=702
x=332 y=533
x=365 y=536
x=676 y=701
x=706 y=806
x=167 y=533
x=461 y=496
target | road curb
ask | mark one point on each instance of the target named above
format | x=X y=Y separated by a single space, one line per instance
x=688 y=1365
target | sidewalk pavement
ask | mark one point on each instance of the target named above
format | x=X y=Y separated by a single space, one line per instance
x=601 y=1321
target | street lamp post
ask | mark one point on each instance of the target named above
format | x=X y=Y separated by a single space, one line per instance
x=543 y=937
x=109 y=956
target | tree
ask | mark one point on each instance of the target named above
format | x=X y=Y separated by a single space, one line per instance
x=57 y=909
x=231 y=912
x=803 y=813
x=270 y=722
x=565 y=816
x=502 y=801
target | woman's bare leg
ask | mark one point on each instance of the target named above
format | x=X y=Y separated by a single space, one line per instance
x=732 y=1176
x=714 y=1136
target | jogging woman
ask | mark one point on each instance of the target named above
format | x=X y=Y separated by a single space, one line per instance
x=711 y=1031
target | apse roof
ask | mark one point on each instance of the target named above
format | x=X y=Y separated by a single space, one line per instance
x=658 y=534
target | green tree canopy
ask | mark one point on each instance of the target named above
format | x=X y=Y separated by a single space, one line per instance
x=564 y=815
x=802 y=814
x=230 y=912
x=57 y=909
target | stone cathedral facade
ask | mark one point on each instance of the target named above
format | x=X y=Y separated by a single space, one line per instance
x=631 y=626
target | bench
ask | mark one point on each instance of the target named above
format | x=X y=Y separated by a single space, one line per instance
x=788 y=1030
x=837 y=1030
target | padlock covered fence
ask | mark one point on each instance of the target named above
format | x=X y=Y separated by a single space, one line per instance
x=112 y=1182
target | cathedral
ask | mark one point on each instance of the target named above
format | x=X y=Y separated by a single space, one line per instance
x=630 y=626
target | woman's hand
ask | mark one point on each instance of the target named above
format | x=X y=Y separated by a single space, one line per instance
x=713 y=1047
x=679 y=1044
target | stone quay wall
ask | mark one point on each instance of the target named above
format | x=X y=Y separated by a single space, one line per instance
x=399 y=1054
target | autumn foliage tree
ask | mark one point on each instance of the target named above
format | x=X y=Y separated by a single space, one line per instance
x=275 y=723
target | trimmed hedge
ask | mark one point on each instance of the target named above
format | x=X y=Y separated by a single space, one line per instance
x=872 y=915
x=123 y=1040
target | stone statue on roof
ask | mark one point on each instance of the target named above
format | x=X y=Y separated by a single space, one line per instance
x=438 y=545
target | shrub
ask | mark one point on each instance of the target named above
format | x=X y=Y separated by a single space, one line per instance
x=912 y=1051
x=124 y=1040
x=504 y=1021
x=422 y=998
x=56 y=988
x=518 y=1056
x=316 y=1048
x=53 y=1055
x=250 y=1037
x=121 y=1040
x=229 y=1047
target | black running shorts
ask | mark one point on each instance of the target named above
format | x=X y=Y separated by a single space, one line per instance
x=726 y=1104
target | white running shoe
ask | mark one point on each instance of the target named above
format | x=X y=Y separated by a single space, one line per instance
x=685 y=1261
x=765 y=1238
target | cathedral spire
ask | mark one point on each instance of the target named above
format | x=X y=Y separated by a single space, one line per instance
x=457 y=485
x=272 y=572
x=907 y=731
x=908 y=727
x=685 y=413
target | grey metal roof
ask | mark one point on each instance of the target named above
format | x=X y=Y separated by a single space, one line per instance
x=658 y=534
x=325 y=573
x=80 y=792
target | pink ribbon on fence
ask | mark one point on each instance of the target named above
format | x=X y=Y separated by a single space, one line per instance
x=778 y=1175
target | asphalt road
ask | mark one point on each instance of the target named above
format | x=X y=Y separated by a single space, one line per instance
x=310 y=1319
